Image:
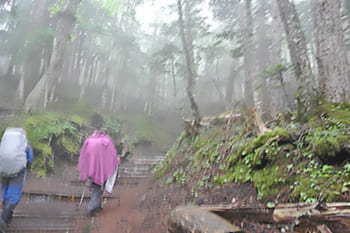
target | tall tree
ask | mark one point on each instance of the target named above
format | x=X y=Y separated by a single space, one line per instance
x=249 y=61
x=43 y=90
x=229 y=13
x=306 y=95
x=36 y=26
x=347 y=17
x=155 y=67
x=274 y=84
x=332 y=63
x=187 y=43
x=167 y=56
x=263 y=58
x=232 y=16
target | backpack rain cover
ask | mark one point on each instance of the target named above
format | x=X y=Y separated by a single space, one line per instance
x=13 y=157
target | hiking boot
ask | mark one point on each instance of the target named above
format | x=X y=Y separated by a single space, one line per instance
x=7 y=212
x=94 y=211
x=3 y=226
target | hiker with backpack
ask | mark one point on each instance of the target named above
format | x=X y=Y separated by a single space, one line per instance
x=16 y=156
x=98 y=161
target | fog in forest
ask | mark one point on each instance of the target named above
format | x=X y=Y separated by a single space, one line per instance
x=174 y=59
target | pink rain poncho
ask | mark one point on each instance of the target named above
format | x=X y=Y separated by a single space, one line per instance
x=98 y=158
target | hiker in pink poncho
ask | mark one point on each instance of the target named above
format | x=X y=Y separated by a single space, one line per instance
x=98 y=160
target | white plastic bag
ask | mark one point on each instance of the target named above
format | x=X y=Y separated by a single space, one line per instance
x=111 y=180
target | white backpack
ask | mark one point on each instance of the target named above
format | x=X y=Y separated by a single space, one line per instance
x=13 y=156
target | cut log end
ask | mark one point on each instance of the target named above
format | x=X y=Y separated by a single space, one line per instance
x=189 y=219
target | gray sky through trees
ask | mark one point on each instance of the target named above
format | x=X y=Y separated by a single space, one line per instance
x=152 y=12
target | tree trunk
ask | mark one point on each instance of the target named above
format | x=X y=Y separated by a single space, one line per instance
x=187 y=44
x=306 y=95
x=150 y=104
x=335 y=215
x=85 y=78
x=173 y=78
x=333 y=66
x=31 y=72
x=276 y=102
x=229 y=87
x=346 y=8
x=78 y=54
x=263 y=59
x=248 y=56
x=217 y=82
x=38 y=96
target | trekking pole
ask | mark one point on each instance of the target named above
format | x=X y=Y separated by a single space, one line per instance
x=83 y=194
x=82 y=197
x=117 y=177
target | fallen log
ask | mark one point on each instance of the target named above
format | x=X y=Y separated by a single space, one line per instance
x=223 y=118
x=328 y=217
x=325 y=217
x=194 y=219
x=338 y=213
x=232 y=213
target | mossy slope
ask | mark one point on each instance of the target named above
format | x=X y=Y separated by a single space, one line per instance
x=294 y=162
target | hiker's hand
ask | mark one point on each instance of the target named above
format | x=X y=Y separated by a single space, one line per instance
x=88 y=182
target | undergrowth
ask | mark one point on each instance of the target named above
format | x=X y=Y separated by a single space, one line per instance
x=55 y=136
x=49 y=132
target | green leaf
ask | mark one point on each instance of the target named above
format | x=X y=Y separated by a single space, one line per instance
x=270 y=205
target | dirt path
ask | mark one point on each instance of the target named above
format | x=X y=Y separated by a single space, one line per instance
x=125 y=216
x=146 y=207
x=143 y=205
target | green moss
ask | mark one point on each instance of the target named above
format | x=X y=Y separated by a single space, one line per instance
x=329 y=135
x=278 y=133
x=282 y=133
x=337 y=112
x=261 y=140
x=270 y=180
x=241 y=172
